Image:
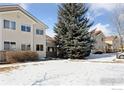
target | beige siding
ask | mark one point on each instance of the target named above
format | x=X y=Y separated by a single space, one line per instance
x=99 y=44
x=19 y=36
x=40 y=39
x=114 y=43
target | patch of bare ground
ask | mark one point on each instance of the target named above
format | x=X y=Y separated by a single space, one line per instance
x=8 y=69
x=116 y=62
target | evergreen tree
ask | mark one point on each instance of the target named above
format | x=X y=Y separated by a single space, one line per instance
x=72 y=36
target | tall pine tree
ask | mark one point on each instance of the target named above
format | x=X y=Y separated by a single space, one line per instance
x=72 y=36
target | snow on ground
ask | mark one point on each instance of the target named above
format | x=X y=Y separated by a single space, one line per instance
x=102 y=57
x=63 y=72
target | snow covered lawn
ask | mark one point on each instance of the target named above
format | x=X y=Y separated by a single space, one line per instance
x=108 y=57
x=63 y=72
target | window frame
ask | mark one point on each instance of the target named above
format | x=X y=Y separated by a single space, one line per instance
x=24 y=47
x=11 y=45
x=6 y=45
x=6 y=26
x=39 y=32
x=25 y=28
x=28 y=47
x=50 y=49
x=11 y=24
x=39 y=47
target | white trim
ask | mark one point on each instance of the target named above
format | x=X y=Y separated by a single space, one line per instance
x=27 y=13
x=10 y=24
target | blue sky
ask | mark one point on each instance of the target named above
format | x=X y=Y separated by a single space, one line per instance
x=47 y=13
x=99 y=13
x=102 y=15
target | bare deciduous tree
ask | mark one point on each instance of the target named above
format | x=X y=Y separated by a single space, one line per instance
x=116 y=17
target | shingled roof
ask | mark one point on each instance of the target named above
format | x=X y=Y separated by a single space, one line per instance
x=96 y=32
x=48 y=38
x=110 y=38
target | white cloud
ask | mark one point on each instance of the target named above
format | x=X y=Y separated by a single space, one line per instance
x=107 y=7
x=97 y=9
x=106 y=29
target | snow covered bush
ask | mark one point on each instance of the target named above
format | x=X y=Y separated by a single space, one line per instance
x=20 y=56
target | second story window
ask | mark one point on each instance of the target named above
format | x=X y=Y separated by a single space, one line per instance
x=13 y=25
x=6 y=24
x=39 y=32
x=25 y=28
x=9 y=24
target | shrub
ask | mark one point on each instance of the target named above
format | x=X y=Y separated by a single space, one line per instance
x=20 y=56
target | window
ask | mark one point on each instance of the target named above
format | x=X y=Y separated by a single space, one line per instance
x=28 y=47
x=39 y=32
x=13 y=25
x=9 y=45
x=9 y=24
x=13 y=45
x=22 y=28
x=25 y=47
x=28 y=29
x=102 y=39
x=6 y=24
x=50 y=49
x=25 y=28
x=6 y=45
x=39 y=47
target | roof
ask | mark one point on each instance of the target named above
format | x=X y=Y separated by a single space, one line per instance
x=96 y=32
x=48 y=38
x=4 y=8
x=110 y=38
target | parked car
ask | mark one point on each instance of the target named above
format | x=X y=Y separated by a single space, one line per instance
x=120 y=55
x=98 y=52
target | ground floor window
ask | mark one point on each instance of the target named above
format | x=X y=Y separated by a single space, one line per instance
x=50 y=49
x=28 y=47
x=9 y=45
x=25 y=47
x=39 y=47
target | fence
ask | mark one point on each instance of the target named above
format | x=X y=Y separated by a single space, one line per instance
x=2 y=56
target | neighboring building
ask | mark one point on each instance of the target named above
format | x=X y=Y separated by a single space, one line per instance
x=51 y=50
x=19 y=30
x=99 y=43
x=112 y=44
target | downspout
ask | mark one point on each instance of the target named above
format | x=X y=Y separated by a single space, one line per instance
x=33 y=38
x=2 y=34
